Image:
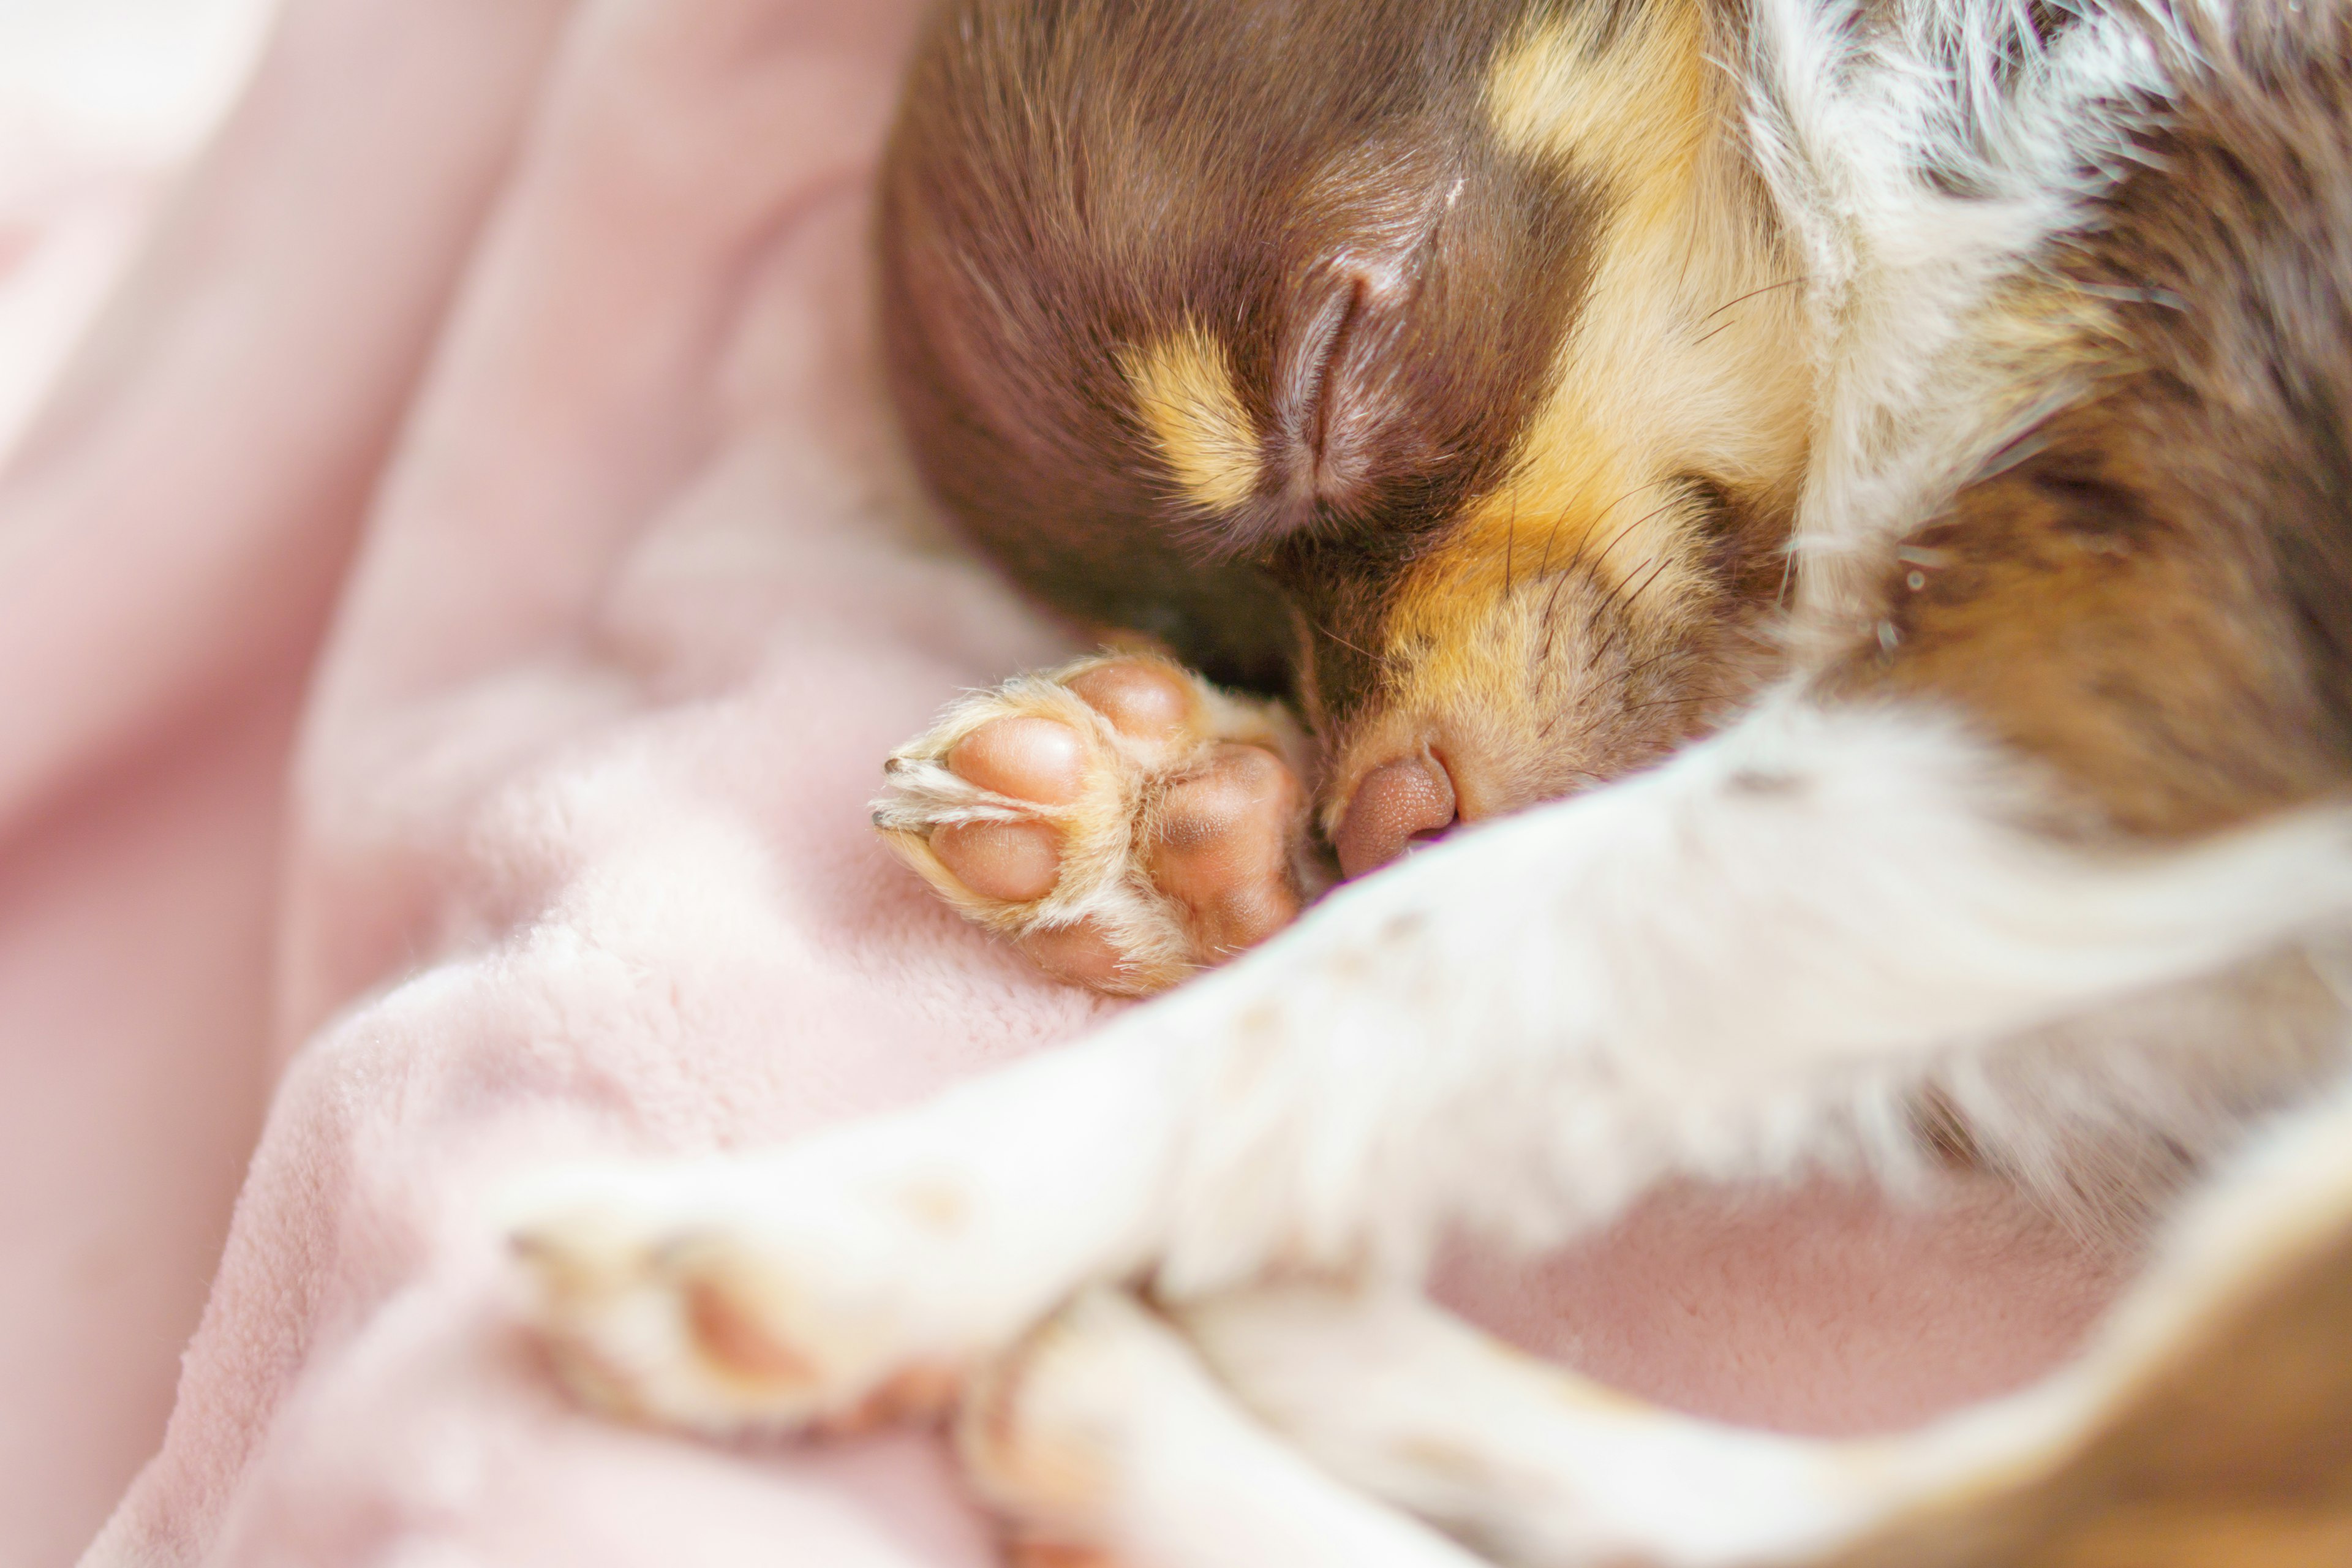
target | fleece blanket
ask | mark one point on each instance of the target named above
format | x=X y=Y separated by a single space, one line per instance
x=451 y=613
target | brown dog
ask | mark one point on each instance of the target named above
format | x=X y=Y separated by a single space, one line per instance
x=1440 y=366
x=1349 y=354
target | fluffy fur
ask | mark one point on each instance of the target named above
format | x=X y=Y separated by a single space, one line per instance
x=2037 y=858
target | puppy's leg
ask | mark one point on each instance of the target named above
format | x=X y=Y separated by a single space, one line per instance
x=1120 y=818
x=2209 y=1424
x=1746 y=962
x=1103 y=1432
x=768 y=1291
x=1529 y=1464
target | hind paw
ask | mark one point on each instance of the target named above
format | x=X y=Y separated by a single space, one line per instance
x=1122 y=820
x=1051 y=1434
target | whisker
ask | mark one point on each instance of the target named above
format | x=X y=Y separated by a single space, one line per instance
x=1343 y=642
x=1743 y=299
x=1551 y=603
x=1510 y=546
x=1633 y=670
x=1634 y=597
x=1619 y=537
x=1610 y=641
x=1600 y=516
x=1752 y=293
x=1584 y=543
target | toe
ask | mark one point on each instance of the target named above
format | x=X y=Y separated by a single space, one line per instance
x=730 y=1324
x=1023 y=758
x=1080 y=953
x=1145 y=700
x=1222 y=846
x=1015 y=861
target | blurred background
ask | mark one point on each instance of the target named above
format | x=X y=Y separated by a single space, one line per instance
x=101 y=101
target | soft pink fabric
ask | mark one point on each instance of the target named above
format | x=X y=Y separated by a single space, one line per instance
x=521 y=351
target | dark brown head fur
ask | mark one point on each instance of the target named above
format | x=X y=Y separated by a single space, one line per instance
x=1434 y=361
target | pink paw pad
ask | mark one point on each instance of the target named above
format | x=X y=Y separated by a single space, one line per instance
x=1126 y=822
x=1025 y=759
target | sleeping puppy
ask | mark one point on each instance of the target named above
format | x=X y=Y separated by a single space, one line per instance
x=1441 y=367
x=2018 y=837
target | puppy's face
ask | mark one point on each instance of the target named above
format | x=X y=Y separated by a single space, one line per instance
x=1443 y=346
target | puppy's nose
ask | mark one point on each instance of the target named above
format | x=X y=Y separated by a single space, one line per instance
x=1398 y=802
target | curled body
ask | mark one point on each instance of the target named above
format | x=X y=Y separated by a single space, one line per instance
x=1950 y=760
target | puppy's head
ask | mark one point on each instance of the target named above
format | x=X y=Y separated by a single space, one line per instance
x=1441 y=351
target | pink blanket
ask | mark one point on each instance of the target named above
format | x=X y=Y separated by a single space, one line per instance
x=450 y=619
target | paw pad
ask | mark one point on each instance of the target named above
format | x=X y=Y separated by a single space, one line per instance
x=1122 y=820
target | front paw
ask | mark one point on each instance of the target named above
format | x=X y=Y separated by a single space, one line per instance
x=1063 y=1436
x=1105 y=1435
x=660 y=1301
x=752 y=1295
x=1122 y=820
x=873 y=1262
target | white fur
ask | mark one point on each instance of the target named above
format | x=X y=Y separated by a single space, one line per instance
x=1535 y=1466
x=1845 y=128
x=1752 y=962
x=1743 y=964
x=1108 y=1427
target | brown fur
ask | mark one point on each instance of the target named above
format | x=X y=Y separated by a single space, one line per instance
x=1298 y=335
x=1335 y=342
x=2151 y=594
x=2233 y=1451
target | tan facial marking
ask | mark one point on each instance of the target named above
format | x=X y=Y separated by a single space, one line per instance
x=1661 y=373
x=1686 y=364
x=1629 y=109
x=1184 y=387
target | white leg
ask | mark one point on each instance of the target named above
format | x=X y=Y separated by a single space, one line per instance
x=1738 y=964
x=1104 y=1431
x=767 y=1290
x=1528 y=1463
x=1536 y=1467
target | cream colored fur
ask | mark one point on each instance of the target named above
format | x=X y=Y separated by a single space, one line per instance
x=1754 y=962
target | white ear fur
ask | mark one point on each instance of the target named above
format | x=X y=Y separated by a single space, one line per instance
x=1865 y=138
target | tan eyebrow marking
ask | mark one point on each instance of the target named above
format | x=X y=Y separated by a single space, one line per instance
x=1184 y=389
